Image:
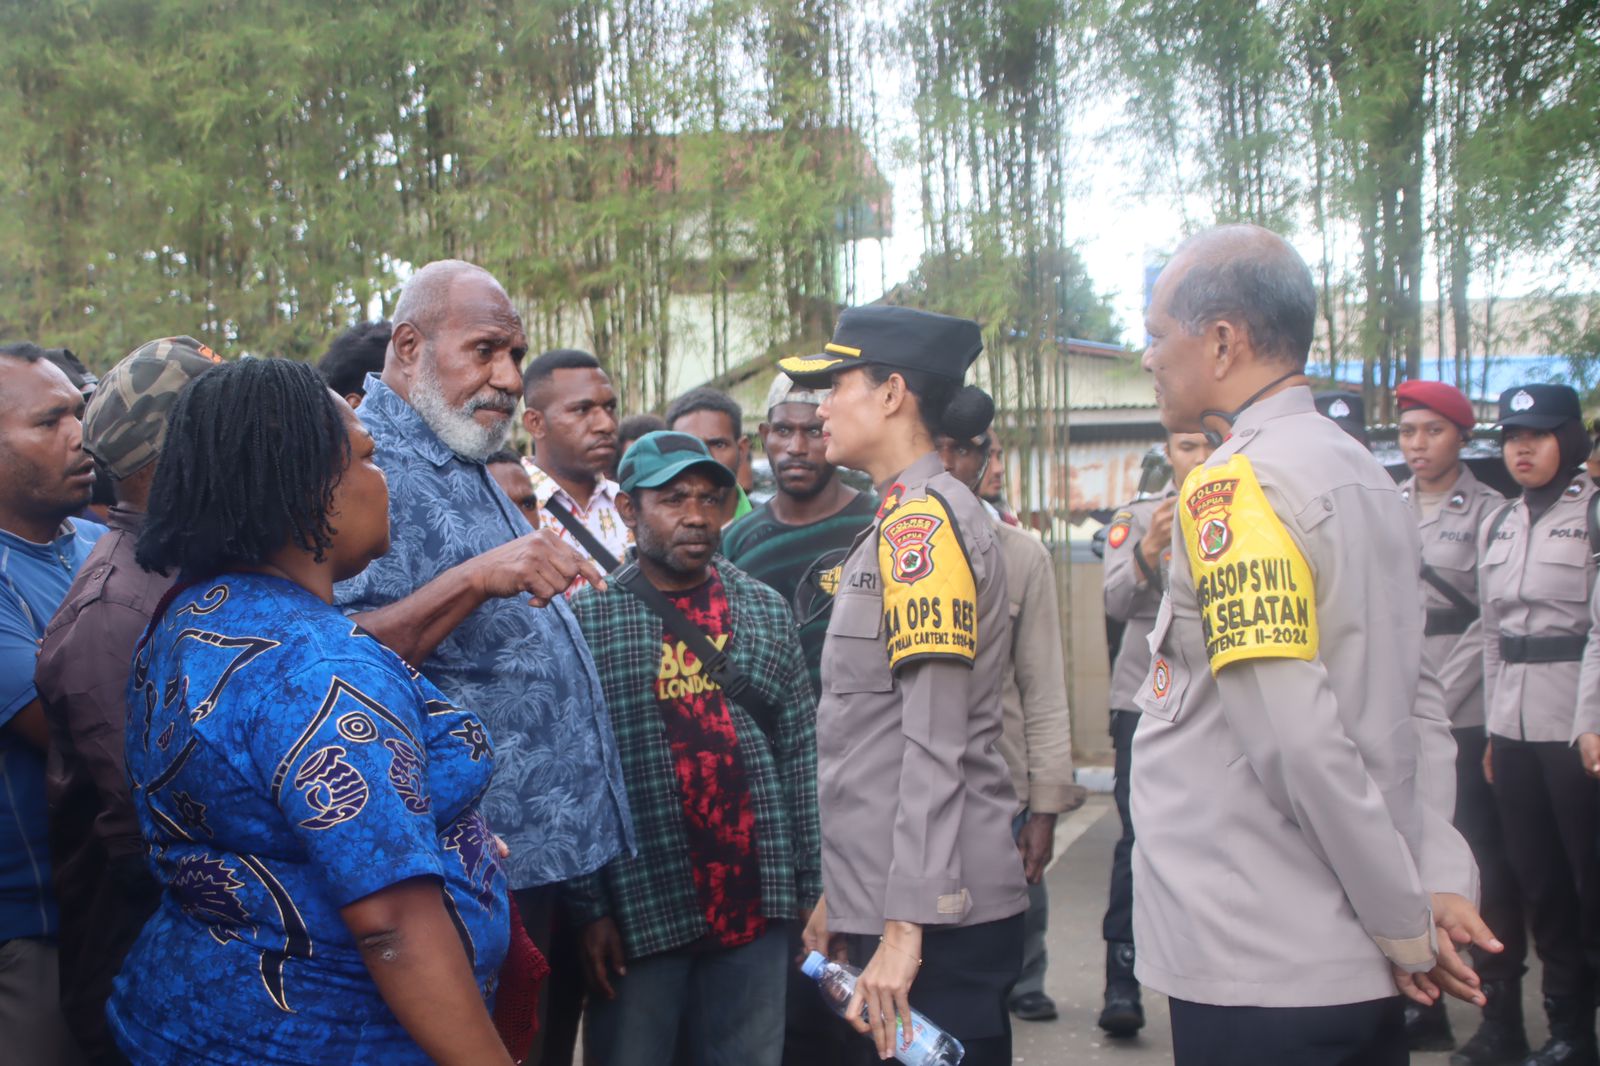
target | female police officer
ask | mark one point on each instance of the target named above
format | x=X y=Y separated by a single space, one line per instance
x=1450 y=505
x=919 y=869
x=1535 y=575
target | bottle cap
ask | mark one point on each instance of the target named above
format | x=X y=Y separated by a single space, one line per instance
x=813 y=965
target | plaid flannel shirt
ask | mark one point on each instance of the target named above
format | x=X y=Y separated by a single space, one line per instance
x=651 y=896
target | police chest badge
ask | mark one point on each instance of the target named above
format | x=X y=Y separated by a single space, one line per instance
x=1253 y=587
x=1160 y=679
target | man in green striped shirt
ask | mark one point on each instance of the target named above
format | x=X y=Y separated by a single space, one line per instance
x=796 y=541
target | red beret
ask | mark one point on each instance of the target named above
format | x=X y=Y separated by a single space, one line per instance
x=1436 y=396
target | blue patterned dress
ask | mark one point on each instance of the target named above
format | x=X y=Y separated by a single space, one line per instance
x=284 y=765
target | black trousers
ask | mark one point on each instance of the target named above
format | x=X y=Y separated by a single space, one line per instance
x=1351 y=1034
x=1479 y=822
x=1118 y=924
x=561 y=998
x=963 y=986
x=1547 y=810
x=812 y=1034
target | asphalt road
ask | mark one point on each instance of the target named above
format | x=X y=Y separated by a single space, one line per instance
x=1076 y=975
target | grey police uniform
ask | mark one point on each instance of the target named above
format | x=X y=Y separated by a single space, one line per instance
x=1536 y=583
x=1452 y=652
x=1453 y=632
x=1132 y=594
x=1537 y=579
x=916 y=801
x=1287 y=839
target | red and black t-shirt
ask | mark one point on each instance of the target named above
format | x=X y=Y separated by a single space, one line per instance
x=717 y=813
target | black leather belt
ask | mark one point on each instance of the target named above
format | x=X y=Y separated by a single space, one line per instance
x=1450 y=620
x=1566 y=648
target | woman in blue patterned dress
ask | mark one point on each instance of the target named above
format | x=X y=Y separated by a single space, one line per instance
x=331 y=893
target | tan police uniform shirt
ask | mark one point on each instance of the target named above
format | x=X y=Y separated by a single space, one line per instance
x=1282 y=819
x=1535 y=583
x=1036 y=737
x=1131 y=597
x=1450 y=547
x=916 y=802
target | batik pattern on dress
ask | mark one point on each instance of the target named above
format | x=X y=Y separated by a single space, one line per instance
x=303 y=770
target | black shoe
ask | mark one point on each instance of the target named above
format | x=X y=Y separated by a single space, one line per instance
x=1123 y=1015
x=1033 y=1007
x=1500 y=1040
x=1428 y=1028
x=1571 y=1040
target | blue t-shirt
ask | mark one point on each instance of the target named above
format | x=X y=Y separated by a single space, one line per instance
x=34 y=578
x=284 y=765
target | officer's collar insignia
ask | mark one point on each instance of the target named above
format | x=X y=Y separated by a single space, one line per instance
x=1338 y=409
x=1574 y=490
x=891 y=499
x=1458 y=499
x=1521 y=401
x=1405 y=494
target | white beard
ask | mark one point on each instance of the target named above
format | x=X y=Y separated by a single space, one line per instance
x=455 y=426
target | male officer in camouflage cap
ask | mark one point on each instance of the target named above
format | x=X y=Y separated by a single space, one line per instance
x=103 y=887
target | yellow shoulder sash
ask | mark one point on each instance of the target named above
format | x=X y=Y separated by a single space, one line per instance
x=1256 y=592
x=930 y=597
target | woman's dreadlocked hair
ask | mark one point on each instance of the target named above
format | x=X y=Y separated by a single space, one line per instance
x=253 y=452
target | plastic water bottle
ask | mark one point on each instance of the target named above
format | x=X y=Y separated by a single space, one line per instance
x=930 y=1045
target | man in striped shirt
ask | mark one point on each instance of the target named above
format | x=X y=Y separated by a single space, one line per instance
x=796 y=541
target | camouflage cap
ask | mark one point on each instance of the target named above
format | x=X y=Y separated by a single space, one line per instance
x=127 y=418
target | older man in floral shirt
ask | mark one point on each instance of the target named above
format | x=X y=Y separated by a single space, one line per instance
x=470 y=592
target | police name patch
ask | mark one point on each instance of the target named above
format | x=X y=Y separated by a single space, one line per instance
x=1257 y=599
x=930 y=597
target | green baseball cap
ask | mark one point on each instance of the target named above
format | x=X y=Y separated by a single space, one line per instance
x=127 y=419
x=656 y=459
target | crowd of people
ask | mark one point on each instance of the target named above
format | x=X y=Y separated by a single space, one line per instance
x=349 y=734
x=336 y=730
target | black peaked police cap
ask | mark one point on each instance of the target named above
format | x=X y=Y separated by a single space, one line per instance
x=901 y=338
x=1538 y=406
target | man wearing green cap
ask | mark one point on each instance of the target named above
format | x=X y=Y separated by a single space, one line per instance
x=103 y=885
x=692 y=934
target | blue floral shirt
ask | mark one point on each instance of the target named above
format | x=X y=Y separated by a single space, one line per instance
x=284 y=765
x=557 y=797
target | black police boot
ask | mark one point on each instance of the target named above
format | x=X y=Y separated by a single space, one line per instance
x=1571 y=1040
x=1428 y=1028
x=1123 y=1014
x=1501 y=1039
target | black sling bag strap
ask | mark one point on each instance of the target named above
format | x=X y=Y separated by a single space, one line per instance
x=716 y=663
x=1457 y=598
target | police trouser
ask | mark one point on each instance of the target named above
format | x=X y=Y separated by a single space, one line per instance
x=1118 y=925
x=1479 y=822
x=1547 y=809
x=1350 y=1034
x=963 y=987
